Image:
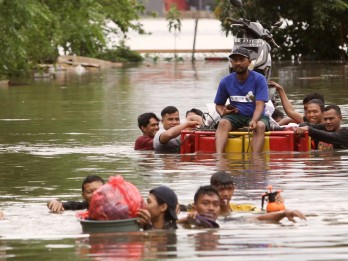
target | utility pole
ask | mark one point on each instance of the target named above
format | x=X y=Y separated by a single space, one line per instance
x=198 y=14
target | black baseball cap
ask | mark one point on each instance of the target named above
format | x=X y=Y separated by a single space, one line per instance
x=240 y=51
x=169 y=197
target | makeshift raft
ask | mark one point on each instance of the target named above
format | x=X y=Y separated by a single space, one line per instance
x=203 y=141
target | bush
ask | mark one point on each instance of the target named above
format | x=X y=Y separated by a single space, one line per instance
x=120 y=54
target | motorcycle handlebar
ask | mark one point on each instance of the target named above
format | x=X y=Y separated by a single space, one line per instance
x=274 y=43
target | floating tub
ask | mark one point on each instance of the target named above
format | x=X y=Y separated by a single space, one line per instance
x=108 y=226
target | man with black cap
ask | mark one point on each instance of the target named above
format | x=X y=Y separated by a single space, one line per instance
x=247 y=92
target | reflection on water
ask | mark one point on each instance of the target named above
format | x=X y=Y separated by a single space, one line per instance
x=54 y=133
x=135 y=246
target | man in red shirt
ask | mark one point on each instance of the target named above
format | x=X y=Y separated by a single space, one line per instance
x=149 y=124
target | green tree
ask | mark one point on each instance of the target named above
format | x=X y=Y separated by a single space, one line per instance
x=17 y=22
x=31 y=31
x=313 y=29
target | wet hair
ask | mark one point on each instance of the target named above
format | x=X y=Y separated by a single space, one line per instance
x=205 y=190
x=144 y=119
x=195 y=111
x=312 y=96
x=277 y=114
x=221 y=178
x=90 y=179
x=334 y=107
x=318 y=102
x=169 y=110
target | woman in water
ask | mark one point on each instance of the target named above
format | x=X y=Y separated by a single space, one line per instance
x=160 y=212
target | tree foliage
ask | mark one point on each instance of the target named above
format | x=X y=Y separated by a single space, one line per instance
x=120 y=54
x=31 y=31
x=312 y=29
x=173 y=18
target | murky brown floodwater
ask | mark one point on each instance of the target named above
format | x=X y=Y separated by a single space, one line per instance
x=55 y=132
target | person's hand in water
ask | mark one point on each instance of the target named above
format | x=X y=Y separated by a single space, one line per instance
x=279 y=215
x=55 y=206
x=2 y=215
x=291 y=214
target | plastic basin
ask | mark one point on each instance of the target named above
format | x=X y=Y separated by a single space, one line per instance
x=108 y=226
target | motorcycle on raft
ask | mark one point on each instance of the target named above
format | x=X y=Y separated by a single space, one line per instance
x=258 y=40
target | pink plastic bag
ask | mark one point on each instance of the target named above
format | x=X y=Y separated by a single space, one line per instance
x=117 y=199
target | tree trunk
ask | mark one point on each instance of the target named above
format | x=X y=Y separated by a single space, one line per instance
x=194 y=40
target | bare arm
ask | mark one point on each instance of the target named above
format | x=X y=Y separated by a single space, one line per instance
x=182 y=220
x=260 y=105
x=2 y=215
x=285 y=121
x=191 y=214
x=174 y=132
x=220 y=109
x=288 y=108
x=279 y=215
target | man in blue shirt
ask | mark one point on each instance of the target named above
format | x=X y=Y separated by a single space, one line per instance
x=247 y=92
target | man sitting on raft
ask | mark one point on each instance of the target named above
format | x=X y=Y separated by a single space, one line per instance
x=247 y=91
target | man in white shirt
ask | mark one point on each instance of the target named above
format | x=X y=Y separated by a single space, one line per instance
x=167 y=140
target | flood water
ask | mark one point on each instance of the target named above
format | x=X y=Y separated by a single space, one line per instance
x=55 y=132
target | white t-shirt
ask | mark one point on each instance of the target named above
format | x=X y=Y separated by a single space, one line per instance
x=172 y=146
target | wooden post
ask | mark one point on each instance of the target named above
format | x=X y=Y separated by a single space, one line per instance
x=198 y=14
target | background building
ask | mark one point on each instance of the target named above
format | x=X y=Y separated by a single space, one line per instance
x=204 y=5
x=155 y=6
x=186 y=7
x=180 y=4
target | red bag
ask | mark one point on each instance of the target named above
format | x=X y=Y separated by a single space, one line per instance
x=117 y=199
